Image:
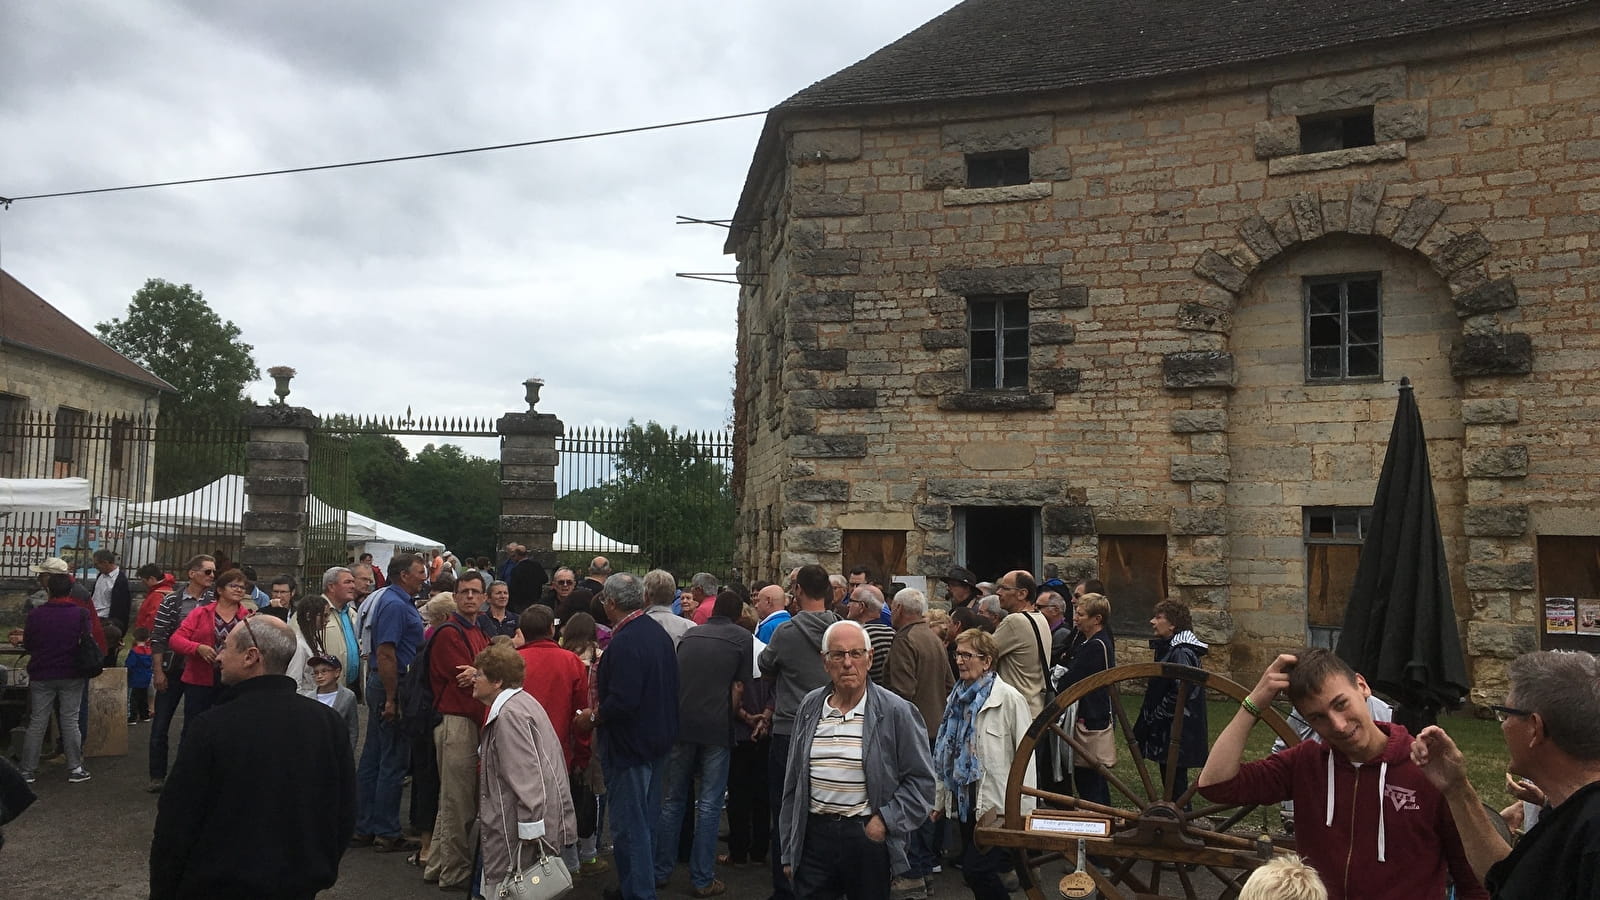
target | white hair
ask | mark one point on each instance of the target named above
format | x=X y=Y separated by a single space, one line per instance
x=991 y=604
x=912 y=601
x=827 y=636
x=869 y=595
x=838 y=581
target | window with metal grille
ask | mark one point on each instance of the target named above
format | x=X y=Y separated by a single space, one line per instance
x=997 y=333
x=1333 y=537
x=997 y=169
x=1337 y=131
x=1344 y=334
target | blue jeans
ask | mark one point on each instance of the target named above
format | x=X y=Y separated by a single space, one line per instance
x=687 y=761
x=380 y=776
x=633 y=793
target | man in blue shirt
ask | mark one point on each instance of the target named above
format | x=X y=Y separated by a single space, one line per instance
x=396 y=631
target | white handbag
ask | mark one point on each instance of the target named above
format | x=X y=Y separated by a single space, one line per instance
x=546 y=879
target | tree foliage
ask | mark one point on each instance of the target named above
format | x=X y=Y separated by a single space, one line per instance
x=173 y=332
x=442 y=492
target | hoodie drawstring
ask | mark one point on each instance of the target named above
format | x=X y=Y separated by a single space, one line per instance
x=1383 y=778
x=1328 y=822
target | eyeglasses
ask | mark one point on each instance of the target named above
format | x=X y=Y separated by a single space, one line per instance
x=840 y=655
x=566 y=581
x=964 y=655
x=1503 y=713
x=1006 y=587
x=250 y=632
x=208 y=571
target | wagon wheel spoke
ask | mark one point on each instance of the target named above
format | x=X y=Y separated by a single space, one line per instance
x=1124 y=873
x=1232 y=881
x=1189 y=890
x=1067 y=801
x=1206 y=812
x=1237 y=817
x=1079 y=748
x=1188 y=795
x=1133 y=746
x=1106 y=887
x=1169 y=783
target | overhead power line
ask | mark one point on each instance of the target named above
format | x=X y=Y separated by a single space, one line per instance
x=388 y=159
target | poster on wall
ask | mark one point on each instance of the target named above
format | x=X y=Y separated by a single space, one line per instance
x=1588 y=616
x=1560 y=615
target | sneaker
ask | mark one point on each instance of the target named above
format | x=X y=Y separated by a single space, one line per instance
x=29 y=777
x=78 y=775
x=938 y=869
x=711 y=890
x=132 y=720
x=592 y=867
x=908 y=889
x=156 y=784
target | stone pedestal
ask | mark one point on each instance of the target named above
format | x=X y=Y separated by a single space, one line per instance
x=277 y=490
x=528 y=460
x=108 y=714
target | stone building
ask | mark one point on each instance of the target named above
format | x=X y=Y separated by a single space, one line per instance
x=1129 y=288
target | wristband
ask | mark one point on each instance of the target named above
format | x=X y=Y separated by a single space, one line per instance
x=1251 y=707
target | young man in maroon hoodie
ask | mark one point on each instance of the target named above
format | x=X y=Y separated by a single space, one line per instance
x=1366 y=818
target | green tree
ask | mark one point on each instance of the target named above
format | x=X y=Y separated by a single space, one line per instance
x=378 y=465
x=451 y=497
x=173 y=332
x=672 y=499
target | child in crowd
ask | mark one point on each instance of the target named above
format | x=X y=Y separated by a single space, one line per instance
x=331 y=692
x=140 y=673
x=1284 y=878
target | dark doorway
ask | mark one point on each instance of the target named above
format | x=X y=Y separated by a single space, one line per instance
x=993 y=540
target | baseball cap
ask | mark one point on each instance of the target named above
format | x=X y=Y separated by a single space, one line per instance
x=55 y=565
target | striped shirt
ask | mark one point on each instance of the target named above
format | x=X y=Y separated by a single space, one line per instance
x=838 y=779
x=882 y=638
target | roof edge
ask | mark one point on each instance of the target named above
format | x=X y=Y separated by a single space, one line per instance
x=155 y=382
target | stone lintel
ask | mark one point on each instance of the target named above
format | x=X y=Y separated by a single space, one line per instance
x=523 y=423
x=1019 y=279
x=271 y=415
x=996 y=401
x=277 y=450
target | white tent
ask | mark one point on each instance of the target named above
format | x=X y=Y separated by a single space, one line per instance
x=360 y=529
x=578 y=537
x=26 y=495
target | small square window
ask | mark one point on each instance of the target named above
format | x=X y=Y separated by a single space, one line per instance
x=997 y=339
x=1344 y=328
x=1336 y=131
x=997 y=169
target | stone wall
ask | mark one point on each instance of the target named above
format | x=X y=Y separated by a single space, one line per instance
x=1161 y=241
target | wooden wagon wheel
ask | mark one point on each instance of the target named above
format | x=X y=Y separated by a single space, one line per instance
x=1152 y=835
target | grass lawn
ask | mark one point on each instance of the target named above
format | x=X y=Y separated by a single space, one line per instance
x=1480 y=741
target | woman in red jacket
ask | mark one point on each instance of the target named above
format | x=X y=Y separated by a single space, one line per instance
x=206 y=629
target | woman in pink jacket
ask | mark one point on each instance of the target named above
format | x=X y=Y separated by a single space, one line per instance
x=198 y=638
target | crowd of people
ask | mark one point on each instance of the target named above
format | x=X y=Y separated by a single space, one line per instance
x=851 y=733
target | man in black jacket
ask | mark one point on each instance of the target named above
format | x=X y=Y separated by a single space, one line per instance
x=307 y=816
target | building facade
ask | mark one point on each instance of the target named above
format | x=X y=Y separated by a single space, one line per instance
x=1140 y=310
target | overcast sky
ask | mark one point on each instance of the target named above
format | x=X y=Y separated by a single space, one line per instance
x=440 y=284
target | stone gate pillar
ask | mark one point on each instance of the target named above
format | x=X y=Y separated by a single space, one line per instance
x=528 y=459
x=277 y=489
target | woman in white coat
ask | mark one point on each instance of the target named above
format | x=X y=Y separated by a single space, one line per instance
x=984 y=723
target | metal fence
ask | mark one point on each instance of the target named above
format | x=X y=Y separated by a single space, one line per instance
x=646 y=497
x=161 y=493
x=327 y=517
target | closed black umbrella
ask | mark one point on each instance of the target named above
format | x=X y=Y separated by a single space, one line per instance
x=1400 y=625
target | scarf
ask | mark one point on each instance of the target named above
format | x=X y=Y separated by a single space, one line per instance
x=955 y=749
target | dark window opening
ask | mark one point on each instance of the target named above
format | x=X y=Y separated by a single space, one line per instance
x=1344 y=334
x=1336 y=131
x=997 y=333
x=1333 y=536
x=993 y=540
x=68 y=421
x=997 y=169
x=119 y=443
x=1133 y=568
x=1569 y=592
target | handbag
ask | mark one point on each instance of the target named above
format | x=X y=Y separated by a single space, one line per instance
x=547 y=878
x=1099 y=746
x=87 y=661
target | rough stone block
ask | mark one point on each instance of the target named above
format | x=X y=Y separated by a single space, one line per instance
x=994 y=491
x=1257 y=234
x=945 y=171
x=1500 y=576
x=1500 y=641
x=832 y=306
x=933 y=384
x=997 y=134
x=1505 y=520
x=839 y=398
x=1277 y=137
x=1056 y=380
x=1460 y=251
x=813 y=540
x=829 y=446
x=1400 y=120
x=823 y=360
x=1365 y=199
x=529 y=456
x=528 y=524
x=1060 y=519
x=1337 y=159
x=818 y=490
x=1193 y=421
x=281 y=485
x=1200 y=572
x=277 y=450
x=528 y=490
x=1492 y=354
x=1510 y=461
x=1307 y=211
x=1049 y=163
x=1200 y=317
x=272 y=521
x=1009 y=193
x=834 y=261
x=1215 y=267
x=1068 y=296
x=1498 y=411
x=1199 y=468
x=996 y=401
x=944 y=339
x=530 y=425
x=264 y=556
x=1047 y=333
x=798 y=420
x=933 y=517
x=1199 y=520
x=1000 y=279
x=1487 y=296
x=272 y=415
x=1208 y=368
x=1337 y=92
x=799 y=514
x=1416 y=221
x=830 y=145
x=288 y=468
x=1214 y=626
x=821 y=205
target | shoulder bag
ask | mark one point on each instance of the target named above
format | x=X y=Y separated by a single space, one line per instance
x=87 y=660
x=1100 y=747
x=1049 y=691
x=548 y=877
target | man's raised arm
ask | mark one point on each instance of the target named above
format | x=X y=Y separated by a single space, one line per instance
x=1223 y=762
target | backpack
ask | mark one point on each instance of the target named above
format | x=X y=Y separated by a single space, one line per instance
x=87 y=660
x=416 y=713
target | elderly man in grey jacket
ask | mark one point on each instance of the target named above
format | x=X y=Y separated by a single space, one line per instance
x=858 y=767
